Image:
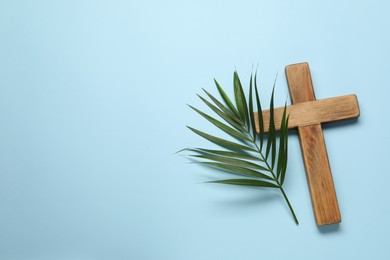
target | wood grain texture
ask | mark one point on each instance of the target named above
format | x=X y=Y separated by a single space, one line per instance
x=318 y=173
x=314 y=112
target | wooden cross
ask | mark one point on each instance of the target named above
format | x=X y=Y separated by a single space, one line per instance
x=307 y=114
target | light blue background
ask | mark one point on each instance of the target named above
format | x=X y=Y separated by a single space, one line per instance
x=92 y=108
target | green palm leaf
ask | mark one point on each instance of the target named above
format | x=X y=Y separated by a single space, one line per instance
x=271 y=142
x=249 y=158
x=223 y=115
x=230 y=154
x=223 y=127
x=238 y=170
x=284 y=168
x=251 y=112
x=259 y=115
x=232 y=161
x=240 y=99
x=222 y=142
x=282 y=144
x=246 y=182
x=223 y=108
x=226 y=99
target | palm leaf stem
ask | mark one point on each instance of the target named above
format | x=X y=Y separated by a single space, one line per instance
x=270 y=169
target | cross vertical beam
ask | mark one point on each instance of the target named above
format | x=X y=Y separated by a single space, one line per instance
x=318 y=173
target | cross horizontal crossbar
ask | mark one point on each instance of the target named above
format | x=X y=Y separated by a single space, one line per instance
x=314 y=112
